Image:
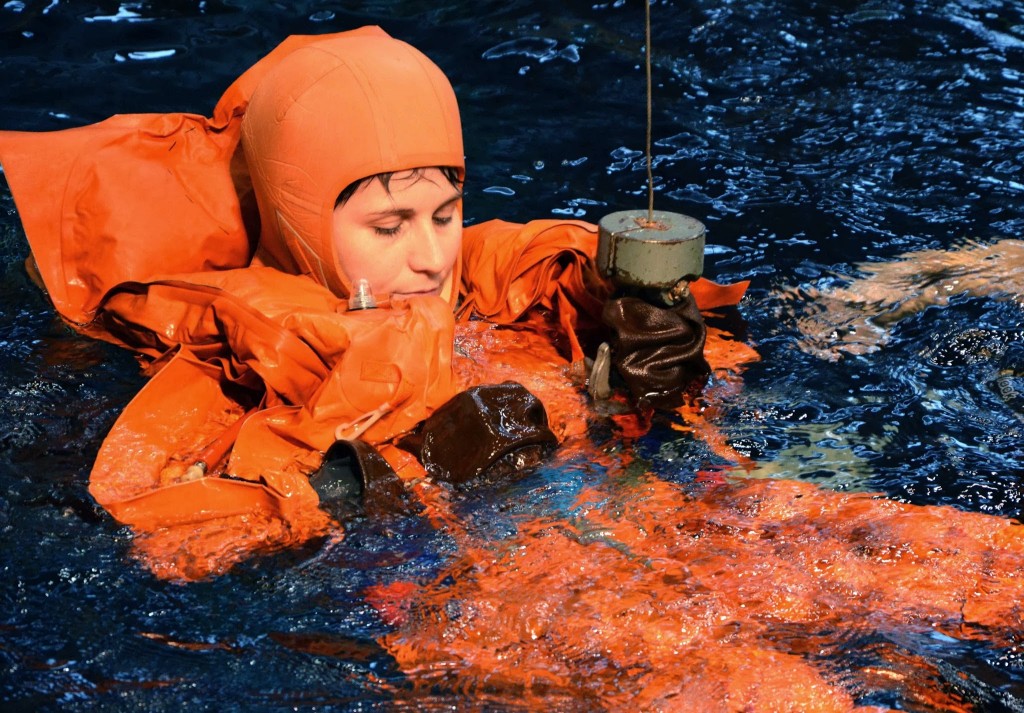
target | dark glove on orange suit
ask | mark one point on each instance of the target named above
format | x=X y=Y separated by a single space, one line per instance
x=658 y=351
x=491 y=429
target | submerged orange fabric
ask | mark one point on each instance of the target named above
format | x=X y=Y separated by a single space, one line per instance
x=755 y=595
x=143 y=229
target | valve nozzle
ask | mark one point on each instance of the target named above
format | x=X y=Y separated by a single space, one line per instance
x=362 y=296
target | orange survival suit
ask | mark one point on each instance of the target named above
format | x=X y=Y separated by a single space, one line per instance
x=204 y=244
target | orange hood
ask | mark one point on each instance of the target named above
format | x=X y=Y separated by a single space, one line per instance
x=329 y=114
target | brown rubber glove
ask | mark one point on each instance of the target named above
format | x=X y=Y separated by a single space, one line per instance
x=354 y=472
x=658 y=351
x=492 y=429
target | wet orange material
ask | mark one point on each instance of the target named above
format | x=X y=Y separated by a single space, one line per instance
x=510 y=268
x=727 y=597
x=229 y=325
x=277 y=353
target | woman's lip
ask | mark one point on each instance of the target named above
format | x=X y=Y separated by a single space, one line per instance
x=431 y=292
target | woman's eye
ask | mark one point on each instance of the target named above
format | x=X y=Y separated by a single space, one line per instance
x=438 y=220
x=387 y=232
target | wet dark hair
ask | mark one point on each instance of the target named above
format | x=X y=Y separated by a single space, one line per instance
x=451 y=173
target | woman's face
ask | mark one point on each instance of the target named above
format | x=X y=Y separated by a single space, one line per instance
x=403 y=239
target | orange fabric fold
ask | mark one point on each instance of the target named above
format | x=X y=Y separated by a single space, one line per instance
x=256 y=337
x=510 y=268
x=711 y=295
x=74 y=189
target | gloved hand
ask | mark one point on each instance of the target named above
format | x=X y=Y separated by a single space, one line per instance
x=354 y=472
x=658 y=351
x=490 y=429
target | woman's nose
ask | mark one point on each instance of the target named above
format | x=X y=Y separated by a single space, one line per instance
x=426 y=254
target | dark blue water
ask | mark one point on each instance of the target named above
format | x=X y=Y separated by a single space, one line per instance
x=808 y=136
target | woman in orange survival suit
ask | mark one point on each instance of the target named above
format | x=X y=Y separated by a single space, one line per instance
x=143 y=231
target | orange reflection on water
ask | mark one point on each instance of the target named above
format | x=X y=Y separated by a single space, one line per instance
x=756 y=595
